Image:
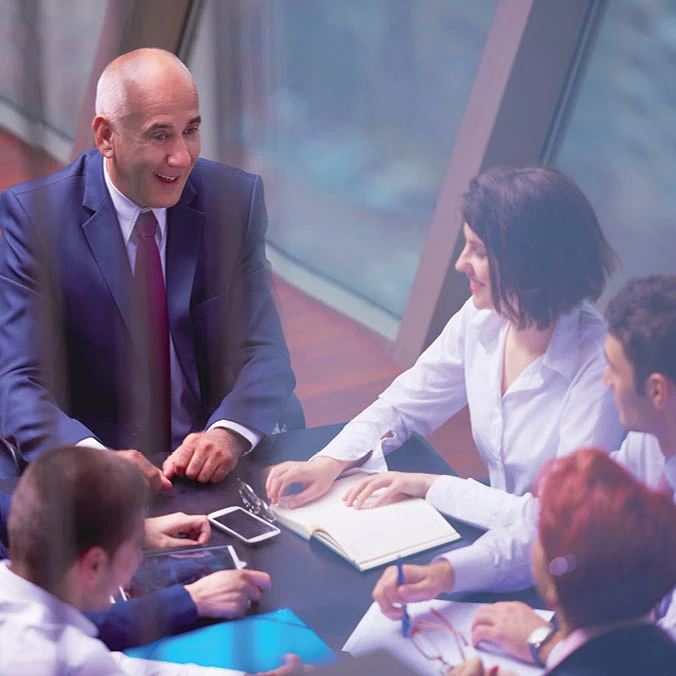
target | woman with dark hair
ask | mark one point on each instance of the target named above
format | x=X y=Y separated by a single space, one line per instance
x=525 y=353
x=605 y=556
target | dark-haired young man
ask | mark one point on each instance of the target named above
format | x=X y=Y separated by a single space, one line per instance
x=641 y=371
x=224 y=594
x=76 y=527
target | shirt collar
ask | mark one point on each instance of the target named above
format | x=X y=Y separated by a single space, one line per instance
x=488 y=323
x=20 y=590
x=127 y=211
x=565 y=343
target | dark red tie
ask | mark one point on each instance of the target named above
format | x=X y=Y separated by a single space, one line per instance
x=153 y=303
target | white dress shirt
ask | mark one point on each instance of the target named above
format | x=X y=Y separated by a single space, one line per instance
x=500 y=559
x=40 y=635
x=127 y=214
x=557 y=404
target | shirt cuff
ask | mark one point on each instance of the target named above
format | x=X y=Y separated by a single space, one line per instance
x=252 y=437
x=370 y=462
x=91 y=442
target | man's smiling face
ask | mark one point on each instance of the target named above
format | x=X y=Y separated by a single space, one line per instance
x=157 y=142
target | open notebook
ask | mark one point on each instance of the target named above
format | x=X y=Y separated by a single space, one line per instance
x=368 y=537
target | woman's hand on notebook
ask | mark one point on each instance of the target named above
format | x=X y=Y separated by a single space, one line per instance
x=315 y=477
x=177 y=530
x=422 y=584
x=393 y=485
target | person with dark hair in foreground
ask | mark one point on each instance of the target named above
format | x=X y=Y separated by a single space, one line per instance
x=604 y=557
x=76 y=530
x=641 y=371
x=525 y=353
x=224 y=594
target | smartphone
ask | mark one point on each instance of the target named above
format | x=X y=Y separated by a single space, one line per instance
x=244 y=525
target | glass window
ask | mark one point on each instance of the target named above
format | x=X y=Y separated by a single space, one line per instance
x=620 y=144
x=46 y=53
x=349 y=110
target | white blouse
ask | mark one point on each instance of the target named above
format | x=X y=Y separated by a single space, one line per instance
x=559 y=403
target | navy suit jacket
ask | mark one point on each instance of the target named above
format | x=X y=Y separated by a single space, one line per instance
x=634 y=651
x=70 y=357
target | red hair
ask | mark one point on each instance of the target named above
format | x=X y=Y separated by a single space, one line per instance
x=610 y=541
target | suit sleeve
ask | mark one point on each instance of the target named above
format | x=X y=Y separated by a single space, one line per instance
x=29 y=340
x=256 y=349
x=138 y=621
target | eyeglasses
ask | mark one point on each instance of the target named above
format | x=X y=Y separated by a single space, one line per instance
x=420 y=635
x=253 y=503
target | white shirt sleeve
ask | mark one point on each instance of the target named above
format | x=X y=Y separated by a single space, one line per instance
x=589 y=416
x=250 y=435
x=133 y=666
x=477 y=504
x=419 y=400
x=499 y=560
x=667 y=612
x=91 y=442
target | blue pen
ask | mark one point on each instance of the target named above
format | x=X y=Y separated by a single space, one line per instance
x=405 y=619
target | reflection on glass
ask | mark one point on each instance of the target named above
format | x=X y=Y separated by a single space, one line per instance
x=349 y=110
x=46 y=53
x=620 y=145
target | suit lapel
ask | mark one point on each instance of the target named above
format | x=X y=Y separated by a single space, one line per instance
x=104 y=238
x=184 y=237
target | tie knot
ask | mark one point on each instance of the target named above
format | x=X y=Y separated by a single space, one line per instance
x=146 y=224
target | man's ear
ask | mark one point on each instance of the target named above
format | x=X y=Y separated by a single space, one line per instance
x=103 y=135
x=92 y=564
x=658 y=389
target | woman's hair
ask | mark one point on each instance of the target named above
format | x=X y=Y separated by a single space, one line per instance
x=609 y=540
x=69 y=500
x=544 y=243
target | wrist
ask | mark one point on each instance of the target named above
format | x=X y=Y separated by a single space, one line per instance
x=240 y=445
x=197 y=595
x=443 y=570
x=540 y=643
x=333 y=465
x=427 y=481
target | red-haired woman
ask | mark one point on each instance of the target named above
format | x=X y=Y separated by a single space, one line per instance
x=604 y=558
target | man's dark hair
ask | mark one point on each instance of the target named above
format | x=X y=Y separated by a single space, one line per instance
x=69 y=500
x=544 y=244
x=642 y=316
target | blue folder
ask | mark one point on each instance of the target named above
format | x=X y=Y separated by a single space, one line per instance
x=251 y=644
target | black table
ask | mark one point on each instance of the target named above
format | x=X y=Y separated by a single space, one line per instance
x=325 y=591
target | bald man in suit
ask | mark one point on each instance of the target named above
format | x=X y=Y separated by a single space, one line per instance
x=79 y=361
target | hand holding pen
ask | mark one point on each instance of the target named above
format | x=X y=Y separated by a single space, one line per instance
x=405 y=619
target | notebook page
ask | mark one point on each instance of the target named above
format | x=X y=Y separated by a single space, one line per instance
x=376 y=631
